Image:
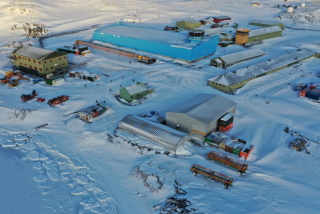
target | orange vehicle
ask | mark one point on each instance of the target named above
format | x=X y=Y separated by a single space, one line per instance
x=215 y=156
x=212 y=174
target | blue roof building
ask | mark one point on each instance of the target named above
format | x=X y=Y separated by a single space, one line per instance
x=165 y=43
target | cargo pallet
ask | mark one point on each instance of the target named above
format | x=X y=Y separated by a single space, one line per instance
x=212 y=174
x=215 y=156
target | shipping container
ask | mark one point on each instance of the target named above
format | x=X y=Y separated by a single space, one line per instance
x=237 y=149
x=222 y=144
x=58 y=81
x=246 y=151
x=215 y=156
x=226 y=129
x=229 y=145
x=314 y=95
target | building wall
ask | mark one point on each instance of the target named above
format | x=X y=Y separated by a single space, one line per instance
x=192 y=126
x=241 y=39
x=226 y=88
x=42 y=66
x=281 y=25
x=160 y=48
x=128 y=97
x=188 y=25
x=261 y=37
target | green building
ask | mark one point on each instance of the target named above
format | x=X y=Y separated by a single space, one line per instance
x=189 y=24
x=264 y=23
x=264 y=33
x=134 y=92
x=236 y=79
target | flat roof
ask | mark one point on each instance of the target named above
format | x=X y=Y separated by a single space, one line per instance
x=221 y=17
x=242 y=74
x=243 y=55
x=205 y=108
x=266 y=30
x=152 y=35
x=133 y=89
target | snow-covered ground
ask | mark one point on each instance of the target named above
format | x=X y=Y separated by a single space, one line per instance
x=70 y=166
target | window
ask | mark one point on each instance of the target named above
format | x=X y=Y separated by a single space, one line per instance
x=50 y=60
x=46 y=69
x=30 y=66
x=39 y=62
x=40 y=69
x=35 y=68
x=65 y=57
x=51 y=67
x=15 y=56
x=34 y=61
x=45 y=62
x=19 y=57
x=59 y=58
x=20 y=63
x=219 y=84
x=29 y=60
x=131 y=97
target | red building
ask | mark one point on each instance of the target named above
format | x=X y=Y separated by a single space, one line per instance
x=218 y=19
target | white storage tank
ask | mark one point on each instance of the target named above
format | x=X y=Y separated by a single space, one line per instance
x=290 y=10
x=303 y=4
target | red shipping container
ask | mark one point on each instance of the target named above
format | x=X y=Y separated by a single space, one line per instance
x=95 y=114
x=70 y=74
x=229 y=149
x=303 y=92
x=77 y=52
x=226 y=129
x=246 y=154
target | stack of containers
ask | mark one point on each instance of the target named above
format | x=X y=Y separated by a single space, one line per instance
x=213 y=140
x=226 y=123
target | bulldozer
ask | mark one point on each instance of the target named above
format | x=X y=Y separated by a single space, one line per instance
x=145 y=59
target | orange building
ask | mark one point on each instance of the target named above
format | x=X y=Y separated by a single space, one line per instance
x=242 y=35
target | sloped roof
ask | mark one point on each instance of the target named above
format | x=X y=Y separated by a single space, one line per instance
x=133 y=89
x=266 y=22
x=205 y=108
x=242 y=74
x=243 y=55
x=266 y=30
x=37 y=53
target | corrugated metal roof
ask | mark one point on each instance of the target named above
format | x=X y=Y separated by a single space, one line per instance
x=263 y=31
x=205 y=108
x=161 y=134
x=243 y=55
x=134 y=89
x=265 y=22
x=262 y=67
x=36 y=53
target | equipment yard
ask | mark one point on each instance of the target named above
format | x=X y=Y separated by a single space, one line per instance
x=97 y=131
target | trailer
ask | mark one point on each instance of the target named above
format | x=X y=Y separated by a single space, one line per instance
x=215 y=156
x=94 y=111
x=212 y=174
x=58 y=100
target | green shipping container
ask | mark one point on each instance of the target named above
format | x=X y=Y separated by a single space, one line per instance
x=237 y=149
x=208 y=140
x=49 y=82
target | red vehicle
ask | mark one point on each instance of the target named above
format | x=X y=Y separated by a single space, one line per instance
x=41 y=99
x=27 y=97
x=58 y=100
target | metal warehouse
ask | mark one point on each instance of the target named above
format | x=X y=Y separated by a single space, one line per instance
x=165 y=43
x=236 y=79
x=264 y=23
x=245 y=36
x=166 y=137
x=200 y=115
x=228 y=60
x=39 y=61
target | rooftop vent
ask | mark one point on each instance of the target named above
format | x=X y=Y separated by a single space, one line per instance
x=196 y=35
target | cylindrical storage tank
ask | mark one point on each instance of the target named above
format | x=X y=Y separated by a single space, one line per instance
x=290 y=10
x=303 y=4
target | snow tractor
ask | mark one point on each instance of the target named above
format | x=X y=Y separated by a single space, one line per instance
x=27 y=97
x=145 y=59
x=58 y=100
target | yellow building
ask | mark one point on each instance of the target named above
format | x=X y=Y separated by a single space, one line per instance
x=39 y=61
x=242 y=35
